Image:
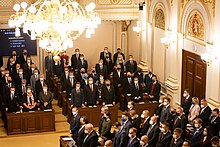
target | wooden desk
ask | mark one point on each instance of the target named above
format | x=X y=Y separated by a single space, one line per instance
x=30 y=122
x=65 y=143
x=93 y=113
x=64 y=104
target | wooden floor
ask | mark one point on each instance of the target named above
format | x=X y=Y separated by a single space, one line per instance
x=44 y=139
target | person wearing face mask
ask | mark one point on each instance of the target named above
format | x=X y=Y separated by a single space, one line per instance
x=29 y=101
x=133 y=140
x=19 y=77
x=82 y=63
x=145 y=116
x=116 y=133
x=77 y=96
x=136 y=90
x=39 y=85
x=104 y=110
x=22 y=89
x=128 y=81
x=205 y=112
x=74 y=123
x=12 y=101
x=91 y=137
x=215 y=141
x=119 y=52
x=91 y=93
x=180 y=120
x=197 y=134
x=45 y=98
x=118 y=79
x=69 y=83
x=153 y=132
x=158 y=109
x=131 y=65
x=101 y=69
x=108 y=62
x=135 y=120
x=194 y=110
x=165 y=136
x=148 y=80
x=144 y=141
x=94 y=75
x=177 y=140
x=131 y=106
x=206 y=138
x=66 y=59
x=215 y=122
x=165 y=113
x=49 y=63
x=187 y=101
x=14 y=56
x=122 y=138
x=155 y=88
x=81 y=132
x=27 y=65
x=75 y=58
x=103 y=54
x=108 y=93
x=106 y=126
x=101 y=141
x=11 y=67
x=35 y=77
x=23 y=57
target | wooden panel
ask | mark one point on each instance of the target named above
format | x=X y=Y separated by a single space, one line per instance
x=31 y=123
x=46 y=123
x=15 y=125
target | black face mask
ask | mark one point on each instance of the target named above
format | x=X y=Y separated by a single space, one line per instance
x=93 y=71
x=107 y=84
x=150 y=73
x=13 y=54
x=25 y=53
x=118 y=68
x=177 y=114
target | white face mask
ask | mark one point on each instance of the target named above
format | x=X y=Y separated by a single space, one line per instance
x=66 y=72
x=142 y=115
x=86 y=132
x=74 y=113
x=41 y=79
x=162 y=130
x=141 y=143
x=13 y=92
x=151 y=122
x=202 y=106
x=100 y=63
x=160 y=101
x=164 y=103
x=130 y=135
x=90 y=82
x=28 y=91
x=20 y=73
x=175 y=136
x=129 y=106
x=184 y=95
x=81 y=58
x=77 y=88
x=135 y=82
x=45 y=89
x=71 y=76
x=7 y=75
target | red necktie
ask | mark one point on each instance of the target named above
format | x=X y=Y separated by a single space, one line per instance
x=152 y=89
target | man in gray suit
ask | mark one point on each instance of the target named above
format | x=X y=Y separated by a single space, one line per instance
x=45 y=98
x=33 y=79
x=49 y=63
x=165 y=113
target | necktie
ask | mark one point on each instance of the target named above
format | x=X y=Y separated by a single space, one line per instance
x=137 y=87
x=23 y=89
x=12 y=95
x=152 y=89
x=91 y=88
x=30 y=100
x=72 y=82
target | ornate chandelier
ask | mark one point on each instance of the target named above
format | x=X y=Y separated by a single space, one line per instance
x=55 y=23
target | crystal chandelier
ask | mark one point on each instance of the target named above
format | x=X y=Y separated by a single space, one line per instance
x=55 y=23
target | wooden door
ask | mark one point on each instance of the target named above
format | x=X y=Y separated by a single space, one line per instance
x=193 y=74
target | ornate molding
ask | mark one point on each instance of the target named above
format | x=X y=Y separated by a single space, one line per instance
x=172 y=85
x=160 y=19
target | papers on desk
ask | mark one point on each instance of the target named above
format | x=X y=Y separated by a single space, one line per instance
x=31 y=111
x=67 y=138
x=90 y=106
x=69 y=99
x=48 y=110
x=141 y=103
x=94 y=106
x=128 y=94
x=109 y=105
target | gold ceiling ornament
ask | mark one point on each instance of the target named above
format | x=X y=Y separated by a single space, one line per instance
x=55 y=23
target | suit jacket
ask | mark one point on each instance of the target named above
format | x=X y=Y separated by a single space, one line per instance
x=77 y=99
x=109 y=65
x=215 y=125
x=18 y=80
x=59 y=68
x=38 y=87
x=116 y=79
x=186 y=105
x=115 y=57
x=197 y=135
x=91 y=140
x=46 y=98
x=80 y=136
x=102 y=55
x=22 y=59
x=131 y=67
x=103 y=71
x=127 y=85
x=144 y=127
x=164 y=140
x=178 y=143
x=135 y=92
x=180 y=122
x=205 y=115
x=134 y=143
x=33 y=82
x=74 y=61
x=194 y=112
x=82 y=65
x=122 y=139
x=11 y=68
x=136 y=122
x=91 y=96
x=153 y=135
x=155 y=91
x=108 y=96
x=165 y=114
x=49 y=63
x=148 y=81
x=140 y=77
x=67 y=86
x=75 y=125
x=12 y=103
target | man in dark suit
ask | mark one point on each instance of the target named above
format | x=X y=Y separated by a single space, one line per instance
x=131 y=65
x=145 y=122
x=74 y=123
x=165 y=113
x=14 y=56
x=119 y=52
x=187 y=101
x=22 y=89
x=74 y=59
x=104 y=110
x=27 y=65
x=39 y=85
x=35 y=77
x=101 y=69
x=77 y=96
x=205 y=112
x=118 y=79
x=19 y=77
x=23 y=57
x=180 y=120
x=108 y=93
x=148 y=80
x=45 y=98
x=123 y=139
x=91 y=138
x=81 y=132
x=215 y=122
x=104 y=53
x=108 y=62
x=133 y=140
x=153 y=132
x=59 y=67
x=69 y=83
x=12 y=101
x=165 y=136
x=128 y=81
x=197 y=134
x=91 y=94
x=11 y=66
x=49 y=63
x=82 y=63
x=154 y=94
x=136 y=90
x=64 y=77
x=177 y=140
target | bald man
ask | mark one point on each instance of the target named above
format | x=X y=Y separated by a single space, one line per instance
x=91 y=138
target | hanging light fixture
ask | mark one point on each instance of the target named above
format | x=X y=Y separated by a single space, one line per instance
x=55 y=23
